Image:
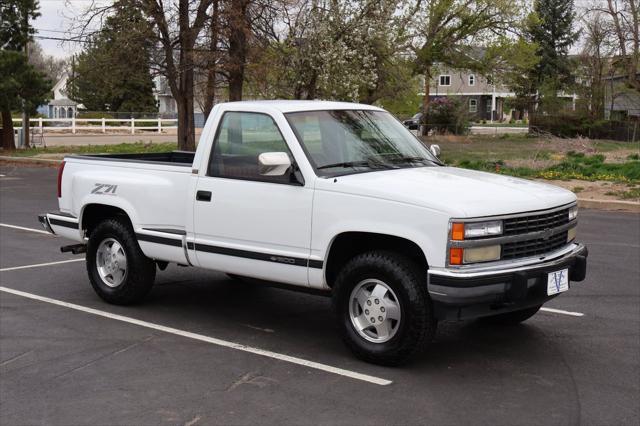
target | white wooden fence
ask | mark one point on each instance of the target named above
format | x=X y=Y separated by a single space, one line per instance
x=99 y=124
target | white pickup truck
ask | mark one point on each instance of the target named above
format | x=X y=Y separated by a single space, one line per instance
x=335 y=197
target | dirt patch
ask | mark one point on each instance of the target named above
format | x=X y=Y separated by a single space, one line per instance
x=597 y=190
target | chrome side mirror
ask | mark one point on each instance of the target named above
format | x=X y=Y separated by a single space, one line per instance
x=435 y=150
x=274 y=163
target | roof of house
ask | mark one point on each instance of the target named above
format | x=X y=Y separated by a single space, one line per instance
x=62 y=102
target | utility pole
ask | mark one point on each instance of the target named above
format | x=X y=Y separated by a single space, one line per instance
x=26 y=127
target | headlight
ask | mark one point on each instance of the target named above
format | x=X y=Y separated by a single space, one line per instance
x=481 y=254
x=573 y=213
x=571 y=235
x=462 y=231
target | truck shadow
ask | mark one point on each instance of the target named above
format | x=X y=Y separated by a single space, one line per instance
x=303 y=325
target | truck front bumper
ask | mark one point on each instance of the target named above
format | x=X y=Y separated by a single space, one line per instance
x=477 y=292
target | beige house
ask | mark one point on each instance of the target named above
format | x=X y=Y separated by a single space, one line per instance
x=483 y=98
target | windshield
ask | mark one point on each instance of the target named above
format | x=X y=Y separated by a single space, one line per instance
x=350 y=141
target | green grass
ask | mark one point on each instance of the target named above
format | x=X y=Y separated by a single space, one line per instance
x=631 y=194
x=574 y=166
x=123 y=148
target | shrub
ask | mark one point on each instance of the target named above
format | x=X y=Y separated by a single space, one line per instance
x=573 y=125
x=447 y=116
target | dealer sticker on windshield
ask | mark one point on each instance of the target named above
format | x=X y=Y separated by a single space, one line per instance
x=557 y=282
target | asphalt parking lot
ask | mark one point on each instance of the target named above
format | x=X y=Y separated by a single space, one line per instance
x=66 y=364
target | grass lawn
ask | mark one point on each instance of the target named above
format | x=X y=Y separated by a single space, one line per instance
x=123 y=148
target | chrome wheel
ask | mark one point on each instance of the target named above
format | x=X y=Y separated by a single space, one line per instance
x=111 y=262
x=374 y=311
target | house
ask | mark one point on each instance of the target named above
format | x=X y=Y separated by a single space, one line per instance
x=621 y=101
x=484 y=98
x=60 y=106
x=167 y=106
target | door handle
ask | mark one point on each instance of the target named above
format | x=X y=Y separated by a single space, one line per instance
x=203 y=195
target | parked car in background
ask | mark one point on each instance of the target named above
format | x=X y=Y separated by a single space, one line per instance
x=414 y=122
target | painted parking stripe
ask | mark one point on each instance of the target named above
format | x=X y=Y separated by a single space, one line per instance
x=560 y=311
x=22 y=228
x=212 y=340
x=39 y=265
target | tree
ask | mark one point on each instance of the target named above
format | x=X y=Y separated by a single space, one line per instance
x=625 y=23
x=332 y=50
x=554 y=34
x=448 y=31
x=53 y=68
x=122 y=47
x=21 y=86
x=511 y=61
x=595 y=63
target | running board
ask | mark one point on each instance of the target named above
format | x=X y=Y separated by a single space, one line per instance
x=74 y=248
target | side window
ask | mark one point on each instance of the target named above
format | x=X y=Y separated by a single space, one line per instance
x=240 y=139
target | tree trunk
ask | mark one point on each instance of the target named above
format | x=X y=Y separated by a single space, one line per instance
x=212 y=73
x=237 y=48
x=26 y=130
x=7 y=131
x=184 y=98
x=426 y=101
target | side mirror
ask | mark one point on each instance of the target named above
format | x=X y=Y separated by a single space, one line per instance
x=435 y=150
x=274 y=163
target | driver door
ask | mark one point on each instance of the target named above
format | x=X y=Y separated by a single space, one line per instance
x=246 y=223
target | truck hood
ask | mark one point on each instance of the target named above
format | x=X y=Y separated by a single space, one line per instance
x=458 y=192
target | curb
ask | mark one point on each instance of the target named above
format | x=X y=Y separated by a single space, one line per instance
x=29 y=160
x=630 y=206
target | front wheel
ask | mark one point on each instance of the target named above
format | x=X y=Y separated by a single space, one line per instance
x=118 y=270
x=382 y=307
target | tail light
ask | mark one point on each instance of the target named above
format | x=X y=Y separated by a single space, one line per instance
x=60 y=171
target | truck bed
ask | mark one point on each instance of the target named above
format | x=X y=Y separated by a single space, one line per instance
x=173 y=158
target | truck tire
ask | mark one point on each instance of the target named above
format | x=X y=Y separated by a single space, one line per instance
x=512 y=318
x=382 y=308
x=118 y=270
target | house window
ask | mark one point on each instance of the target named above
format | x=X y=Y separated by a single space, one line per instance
x=445 y=80
x=473 y=105
x=472 y=80
x=489 y=110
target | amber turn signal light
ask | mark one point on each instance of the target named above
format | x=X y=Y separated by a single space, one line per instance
x=457 y=231
x=455 y=255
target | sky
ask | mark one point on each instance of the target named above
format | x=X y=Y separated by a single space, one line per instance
x=56 y=20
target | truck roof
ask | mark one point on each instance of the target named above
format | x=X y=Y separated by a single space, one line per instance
x=297 y=105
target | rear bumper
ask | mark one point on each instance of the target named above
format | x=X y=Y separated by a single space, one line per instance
x=62 y=224
x=472 y=294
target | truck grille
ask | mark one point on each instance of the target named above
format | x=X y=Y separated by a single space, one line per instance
x=534 y=247
x=533 y=223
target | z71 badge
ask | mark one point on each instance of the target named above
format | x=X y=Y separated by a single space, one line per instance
x=104 y=189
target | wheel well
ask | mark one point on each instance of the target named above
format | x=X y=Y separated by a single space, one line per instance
x=93 y=214
x=350 y=244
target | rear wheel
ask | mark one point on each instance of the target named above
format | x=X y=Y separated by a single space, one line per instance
x=118 y=270
x=512 y=318
x=383 y=310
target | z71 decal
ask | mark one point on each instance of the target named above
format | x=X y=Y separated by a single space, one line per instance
x=104 y=189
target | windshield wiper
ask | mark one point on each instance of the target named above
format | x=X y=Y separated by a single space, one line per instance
x=414 y=160
x=361 y=163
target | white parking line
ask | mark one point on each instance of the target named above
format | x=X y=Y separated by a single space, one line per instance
x=207 y=339
x=560 y=311
x=22 y=228
x=38 y=265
